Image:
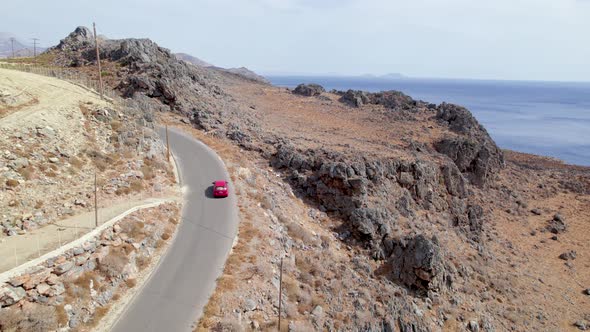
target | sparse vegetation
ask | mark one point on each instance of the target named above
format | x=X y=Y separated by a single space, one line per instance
x=12 y=183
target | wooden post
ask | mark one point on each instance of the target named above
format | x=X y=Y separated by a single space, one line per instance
x=167 y=145
x=280 y=292
x=100 y=87
x=95 y=203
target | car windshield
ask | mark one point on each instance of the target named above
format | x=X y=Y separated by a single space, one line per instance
x=220 y=188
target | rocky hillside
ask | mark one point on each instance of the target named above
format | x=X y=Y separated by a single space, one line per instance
x=430 y=225
x=54 y=137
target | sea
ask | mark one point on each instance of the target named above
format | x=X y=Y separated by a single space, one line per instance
x=543 y=118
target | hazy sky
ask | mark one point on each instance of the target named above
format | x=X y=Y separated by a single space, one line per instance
x=500 y=39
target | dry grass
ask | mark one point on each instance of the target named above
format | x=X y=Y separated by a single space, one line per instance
x=142 y=262
x=122 y=191
x=148 y=172
x=99 y=313
x=62 y=315
x=27 y=172
x=77 y=163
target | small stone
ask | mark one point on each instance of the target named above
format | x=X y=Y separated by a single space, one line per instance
x=43 y=289
x=52 y=280
x=569 y=255
x=249 y=305
x=318 y=311
x=582 y=325
x=80 y=202
x=63 y=267
x=537 y=212
x=473 y=326
x=587 y=291
x=54 y=160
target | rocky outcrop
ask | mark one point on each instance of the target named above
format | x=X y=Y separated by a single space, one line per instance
x=389 y=99
x=472 y=150
x=309 y=90
x=372 y=194
x=80 y=38
x=417 y=262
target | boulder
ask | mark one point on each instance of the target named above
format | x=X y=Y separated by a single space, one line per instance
x=417 y=263
x=37 y=277
x=10 y=295
x=19 y=163
x=557 y=225
x=355 y=98
x=568 y=255
x=309 y=90
x=472 y=150
x=19 y=280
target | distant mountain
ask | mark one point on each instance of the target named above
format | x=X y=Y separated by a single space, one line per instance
x=246 y=73
x=390 y=76
x=242 y=71
x=192 y=59
x=20 y=48
x=393 y=76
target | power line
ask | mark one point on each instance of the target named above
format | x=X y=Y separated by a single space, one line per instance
x=12 y=45
x=35 y=46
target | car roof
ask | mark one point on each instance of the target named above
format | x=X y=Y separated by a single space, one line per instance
x=220 y=183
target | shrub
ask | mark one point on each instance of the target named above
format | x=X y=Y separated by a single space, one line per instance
x=116 y=125
x=51 y=173
x=142 y=262
x=62 y=316
x=26 y=172
x=165 y=236
x=33 y=317
x=133 y=228
x=136 y=186
x=122 y=191
x=130 y=283
x=99 y=313
x=77 y=163
x=38 y=204
x=12 y=183
x=148 y=172
x=113 y=264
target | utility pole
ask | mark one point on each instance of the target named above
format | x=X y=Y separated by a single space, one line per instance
x=100 y=87
x=35 y=47
x=95 y=203
x=280 y=292
x=167 y=145
x=12 y=45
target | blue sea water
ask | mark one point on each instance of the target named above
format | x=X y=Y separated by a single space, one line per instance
x=544 y=118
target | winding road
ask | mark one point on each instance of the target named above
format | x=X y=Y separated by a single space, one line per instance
x=177 y=291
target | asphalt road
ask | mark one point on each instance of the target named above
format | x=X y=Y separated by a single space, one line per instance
x=178 y=290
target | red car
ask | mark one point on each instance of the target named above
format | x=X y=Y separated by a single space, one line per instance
x=220 y=189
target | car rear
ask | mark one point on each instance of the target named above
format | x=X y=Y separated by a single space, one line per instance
x=220 y=189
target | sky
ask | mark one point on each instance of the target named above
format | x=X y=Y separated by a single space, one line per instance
x=500 y=39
